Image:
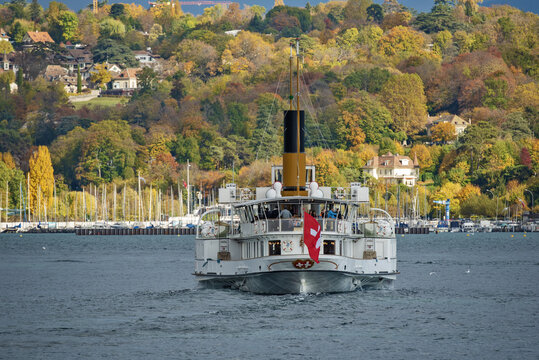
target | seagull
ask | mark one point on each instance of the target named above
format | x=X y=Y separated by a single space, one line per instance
x=44 y=248
x=468 y=271
x=432 y=273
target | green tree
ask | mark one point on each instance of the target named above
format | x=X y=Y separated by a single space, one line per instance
x=185 y=148
x=111 y=29
x=178 y=90
x=375 y=13
x=107 y=151
x=474 y=142
x=68 y=23
x=237 y=114
x=114 y=52
x=496 y=93
x=79 y=80
x=17 y=32
x=6 y=48
x=19 y=78
x=440 y=18
x=146 y=79
x=34 y=11
x=265 y=140
x=370 y=80
x=6 y=79
x=117 y=10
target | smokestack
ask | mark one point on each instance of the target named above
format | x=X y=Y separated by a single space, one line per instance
x=294 y=174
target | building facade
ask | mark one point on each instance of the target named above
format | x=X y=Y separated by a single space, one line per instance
x=395 y=169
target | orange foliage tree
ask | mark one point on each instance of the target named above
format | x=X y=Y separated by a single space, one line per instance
x=443 y=132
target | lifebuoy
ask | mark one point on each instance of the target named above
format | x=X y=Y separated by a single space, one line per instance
x=340 y=226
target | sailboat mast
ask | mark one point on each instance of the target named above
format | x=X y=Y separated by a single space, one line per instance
x=298 y=116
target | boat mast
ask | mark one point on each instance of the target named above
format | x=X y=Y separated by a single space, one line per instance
x=294 y=153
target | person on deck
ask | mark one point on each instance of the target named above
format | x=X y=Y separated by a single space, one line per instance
x=286 y=214
x=332 y=214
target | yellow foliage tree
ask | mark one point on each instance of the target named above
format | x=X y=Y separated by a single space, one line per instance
x=443 y=132
x=423 y=155
x=41 y=180
x=467 y=191
x=449 y=190
x=351 y=131
x=327 y=173
x=526 y=95
x=401 y=42
x=101 y=76
x=7 y=159
x=250 y=47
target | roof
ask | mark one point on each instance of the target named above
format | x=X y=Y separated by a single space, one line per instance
x=448 y=118
x=392 y=161
x=80 y=54
x=128 y=73
x=39 y=36
x=54 y=71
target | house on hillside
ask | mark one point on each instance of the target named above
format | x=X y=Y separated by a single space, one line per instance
x=126 y=80
x=395 y=169
x=35 y=37
x=54 y=72
x=77 y=57
x=459 y=123
x=114 y=70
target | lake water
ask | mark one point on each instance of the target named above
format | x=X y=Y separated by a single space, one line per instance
x=133 y=297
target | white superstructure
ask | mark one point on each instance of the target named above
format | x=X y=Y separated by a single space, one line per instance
x=259 y=250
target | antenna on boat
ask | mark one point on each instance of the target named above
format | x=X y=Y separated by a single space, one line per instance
x=294 y=174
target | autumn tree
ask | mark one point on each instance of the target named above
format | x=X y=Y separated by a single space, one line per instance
x=443 y=132
x=102 y=76
x=368 y=114
x=351 y=131
x=41 y=180
x=401 y=42
x=423 y=155
x=248 y=48
x=404 y=97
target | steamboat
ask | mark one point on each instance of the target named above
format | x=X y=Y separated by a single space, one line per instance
x=295 y=236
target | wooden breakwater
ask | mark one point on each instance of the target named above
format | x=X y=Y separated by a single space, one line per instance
x=138 y=231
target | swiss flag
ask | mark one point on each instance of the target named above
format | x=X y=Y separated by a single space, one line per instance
x=311 y=236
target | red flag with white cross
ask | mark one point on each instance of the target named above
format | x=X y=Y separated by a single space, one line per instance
x=311 y=236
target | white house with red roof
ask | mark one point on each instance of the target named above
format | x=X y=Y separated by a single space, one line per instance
x=395 y=169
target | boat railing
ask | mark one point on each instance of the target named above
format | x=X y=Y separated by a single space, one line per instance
x=295 y=225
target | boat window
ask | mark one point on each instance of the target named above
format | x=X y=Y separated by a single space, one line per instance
x=274 y=247
x=293 y=208
x=250 y=214
x=329 y=247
